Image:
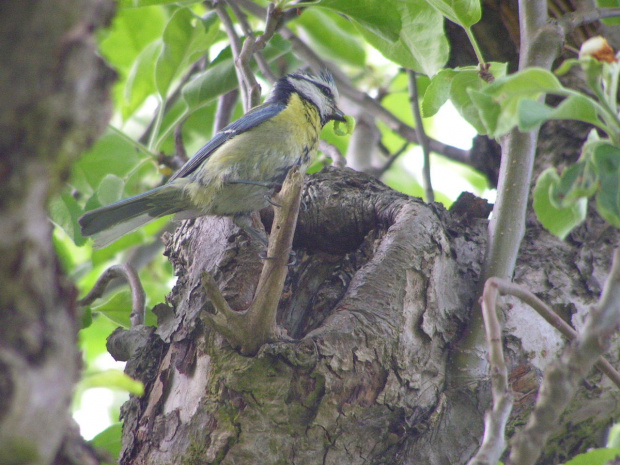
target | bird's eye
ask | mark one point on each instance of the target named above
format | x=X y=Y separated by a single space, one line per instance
x=326 y=91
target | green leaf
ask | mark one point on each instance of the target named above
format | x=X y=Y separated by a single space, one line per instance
x=410 y=33
x=112 y=379
x=378 y=17
x=145 y=3
x=185 y=38
x=578 y=180
x=64 y=211
x=609 y=4
x=454 y=84
x=613 y=437
x=438 y=92
x=131 y=31
x=488 y=109
x=607 y=161
x=594 y=457
x=558 y=221
x=113 y=154
x=220 y=76
x=333 y=36
x=93 y=337
x=466 y=13
x=141 y=79
x=532 y=113
x=566 y=66
x=117 y=308
x=110 y=440
x=110 y=189
x=498 y=103
x=460 y=97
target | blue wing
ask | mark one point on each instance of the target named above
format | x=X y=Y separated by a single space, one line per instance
x=251 y=119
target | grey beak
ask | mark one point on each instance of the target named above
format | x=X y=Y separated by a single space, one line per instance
x=337 y=115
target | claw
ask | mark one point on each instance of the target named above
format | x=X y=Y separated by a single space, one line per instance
x=292 y=258
x=271 y=202
x=245 y=223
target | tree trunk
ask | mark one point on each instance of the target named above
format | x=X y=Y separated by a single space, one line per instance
x=54 y=102
x=376 y=305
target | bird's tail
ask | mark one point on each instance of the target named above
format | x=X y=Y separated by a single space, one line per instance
x=109 y=223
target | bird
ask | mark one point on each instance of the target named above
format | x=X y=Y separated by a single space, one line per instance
x=234 y=173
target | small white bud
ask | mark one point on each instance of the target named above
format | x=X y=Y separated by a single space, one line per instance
x=598 y=48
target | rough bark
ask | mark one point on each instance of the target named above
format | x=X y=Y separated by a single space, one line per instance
x=53 y=104
x=384 y=286
x=377 y=306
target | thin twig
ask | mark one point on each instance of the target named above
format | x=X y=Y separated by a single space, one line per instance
x=243 y=77
x=574 y=19
x=359 y=98
x=544 y=310
x=494 y=442
x=179 y=148
x=251 y=49
x=422 y=137
x=225 y=106
x=138 y=297
x=332 y=152
x=272 y=21
x=562 y=378
x=603 y=322
x=391 y=158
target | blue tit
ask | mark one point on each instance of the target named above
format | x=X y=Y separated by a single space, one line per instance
x=235 y=172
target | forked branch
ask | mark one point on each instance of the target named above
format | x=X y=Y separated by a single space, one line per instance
x=248 y=330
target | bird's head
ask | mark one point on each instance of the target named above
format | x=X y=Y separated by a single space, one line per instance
x=319 y=90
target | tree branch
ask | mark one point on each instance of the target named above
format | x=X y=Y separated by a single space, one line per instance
x=245 y=76
x=563 y=377
x=422 y=137
x=223 y=113
x=573 y=20
x=361 y=99
x=138 y=297
x=248 y=330
x=540 y=45
x=494 y=443
x=272 y=22
x=332 y=152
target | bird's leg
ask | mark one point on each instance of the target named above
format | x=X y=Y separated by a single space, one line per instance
x=245 y=223
x=268 y=185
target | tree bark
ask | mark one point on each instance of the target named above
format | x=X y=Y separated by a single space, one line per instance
x=376 y=305
x=54 y=102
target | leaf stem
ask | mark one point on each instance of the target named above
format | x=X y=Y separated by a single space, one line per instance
x=153 y=140
x=141 y=147
x=171 y=126
x=474 y=44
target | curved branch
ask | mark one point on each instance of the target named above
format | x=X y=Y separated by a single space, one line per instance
x=138 y=297
x=494 y=441
x=563 y=377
